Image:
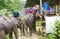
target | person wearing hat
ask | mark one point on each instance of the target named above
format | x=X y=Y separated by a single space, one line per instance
x=15 y=14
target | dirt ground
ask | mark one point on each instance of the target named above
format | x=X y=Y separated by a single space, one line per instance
x=34 y=36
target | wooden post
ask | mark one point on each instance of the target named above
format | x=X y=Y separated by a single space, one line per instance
x=41 y=6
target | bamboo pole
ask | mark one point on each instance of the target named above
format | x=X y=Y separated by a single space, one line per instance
x=41 y=6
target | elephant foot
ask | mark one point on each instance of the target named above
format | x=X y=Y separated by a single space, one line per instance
x=29 y=34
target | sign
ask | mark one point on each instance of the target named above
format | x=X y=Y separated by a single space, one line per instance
x=50 y=23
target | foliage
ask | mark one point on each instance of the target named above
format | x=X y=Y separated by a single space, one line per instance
x=51 y=36
x=57 y=28
x=10 y=5
x=7 y=37
x=31 y=3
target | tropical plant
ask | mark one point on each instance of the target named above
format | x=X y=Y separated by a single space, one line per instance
x=10 y=4
x=57 y=34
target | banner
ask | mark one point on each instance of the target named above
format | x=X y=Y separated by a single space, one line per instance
x=50 y=23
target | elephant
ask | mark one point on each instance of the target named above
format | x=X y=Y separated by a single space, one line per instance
x=8 y=26
x=29 y=22
x=2 y=32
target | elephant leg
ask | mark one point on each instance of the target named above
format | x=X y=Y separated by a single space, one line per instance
x=26 y=30
x=10 y=35
x=34 y=28
x=34 y=22
x=22 y=29
x=2 y=34
x=15 y=32
x=30 y=30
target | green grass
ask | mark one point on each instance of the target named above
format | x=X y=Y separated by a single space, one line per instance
x=38 y=23
x=7 y=36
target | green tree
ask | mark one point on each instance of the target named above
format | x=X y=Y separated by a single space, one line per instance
x=10 y=4
x=31 y=3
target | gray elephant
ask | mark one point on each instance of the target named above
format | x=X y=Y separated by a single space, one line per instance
x=2 y=32
x=29 y=22
x=8 y=26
